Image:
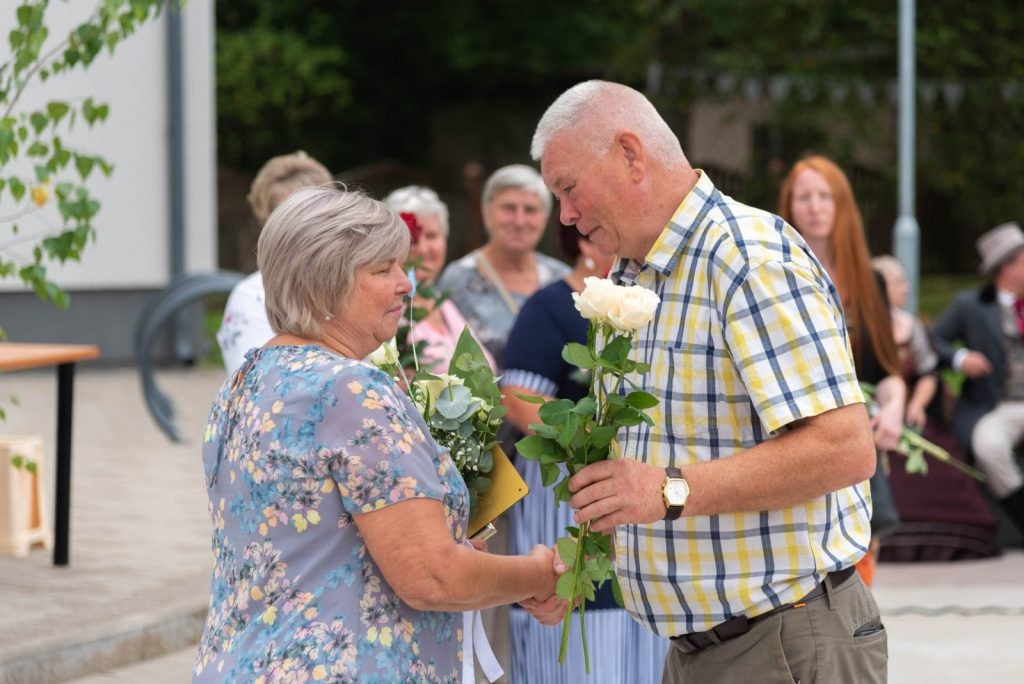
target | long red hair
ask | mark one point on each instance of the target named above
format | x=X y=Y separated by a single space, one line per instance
x=851 y=263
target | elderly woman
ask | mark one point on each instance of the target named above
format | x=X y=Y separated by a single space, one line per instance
x=441 y=326
x=490 y=284
x=339 y=525
x=245 y=324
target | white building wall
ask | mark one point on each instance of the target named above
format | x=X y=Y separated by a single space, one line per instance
x=132 y=246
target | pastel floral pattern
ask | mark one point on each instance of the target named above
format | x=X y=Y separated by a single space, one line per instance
x=296 y=445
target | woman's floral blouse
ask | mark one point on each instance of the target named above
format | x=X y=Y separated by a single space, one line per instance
x=297 y=444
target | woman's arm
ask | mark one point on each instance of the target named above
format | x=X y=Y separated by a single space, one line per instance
x=411 y=543
x=887 y=423
x=522 y=413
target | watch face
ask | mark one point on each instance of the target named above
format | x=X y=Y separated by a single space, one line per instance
x=676 y=492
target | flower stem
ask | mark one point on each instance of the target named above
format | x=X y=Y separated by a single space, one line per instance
x=577 y=573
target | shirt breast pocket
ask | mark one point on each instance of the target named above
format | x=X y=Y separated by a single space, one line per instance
x=685 y=381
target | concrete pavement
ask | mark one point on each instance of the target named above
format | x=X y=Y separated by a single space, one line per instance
x=129 y=607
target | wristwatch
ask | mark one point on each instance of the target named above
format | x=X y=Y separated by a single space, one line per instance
x=674 y=493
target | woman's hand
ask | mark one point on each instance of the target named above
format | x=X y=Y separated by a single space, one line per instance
x=915 y=417
x=546 y=607
x=887 y=425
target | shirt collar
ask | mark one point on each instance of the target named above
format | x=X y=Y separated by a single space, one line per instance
x=1006 y=298
x=664 y=255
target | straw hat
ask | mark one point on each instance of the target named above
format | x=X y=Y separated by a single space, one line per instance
x=997 y=246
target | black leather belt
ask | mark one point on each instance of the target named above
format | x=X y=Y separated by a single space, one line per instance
x=741 y=624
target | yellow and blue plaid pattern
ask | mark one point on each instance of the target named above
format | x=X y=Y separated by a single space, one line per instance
x=749 y=337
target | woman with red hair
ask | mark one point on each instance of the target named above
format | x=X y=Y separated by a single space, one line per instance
x=817 y=200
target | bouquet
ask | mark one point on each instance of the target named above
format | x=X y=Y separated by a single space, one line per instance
x=915 y=447
x=576 y=434
x=462 y=408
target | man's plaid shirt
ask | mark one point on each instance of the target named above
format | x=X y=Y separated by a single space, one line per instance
x=749 y=337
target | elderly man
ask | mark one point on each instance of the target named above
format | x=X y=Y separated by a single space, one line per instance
x=740 y=514
x=989 y=415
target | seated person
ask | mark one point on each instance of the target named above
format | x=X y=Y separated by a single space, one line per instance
x=989 y=321
x=245 y=324
x=943 y=515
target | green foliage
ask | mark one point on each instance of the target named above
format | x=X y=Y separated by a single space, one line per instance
x=24 y=463
x=383 y=72
x=36 y=139
x=573 y=435
x=827 y=70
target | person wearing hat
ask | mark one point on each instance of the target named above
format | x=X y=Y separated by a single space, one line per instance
x=989 y=415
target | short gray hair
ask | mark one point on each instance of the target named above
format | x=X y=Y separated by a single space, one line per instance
x=419 y=200
x=597 y=109
x=311 y=248
x=516 y=177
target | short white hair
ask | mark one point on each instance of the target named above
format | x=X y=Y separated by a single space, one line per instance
x=599 y=109
x=516 y=177
x=421 y=201
x=311 y=247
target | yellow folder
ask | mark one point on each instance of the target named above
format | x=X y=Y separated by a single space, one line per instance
x=507 y=487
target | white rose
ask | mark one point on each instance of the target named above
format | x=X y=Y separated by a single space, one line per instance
x=432 y=388
x=635 y=308
x=384 y=355
x=599 y=297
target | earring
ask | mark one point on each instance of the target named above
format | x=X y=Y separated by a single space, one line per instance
x=589 y=264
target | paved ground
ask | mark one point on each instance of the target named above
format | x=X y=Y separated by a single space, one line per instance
x=130 y=606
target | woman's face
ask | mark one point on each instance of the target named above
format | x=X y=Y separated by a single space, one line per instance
x=370 y=315
x=812 y=206
x=516 y=220
x=431 y=250
x=897 y=287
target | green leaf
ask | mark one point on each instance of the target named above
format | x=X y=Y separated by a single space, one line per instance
x=38 y=121
x=586 y=406
x=556 y=412
x=616 y=352
x=641 y=400
x=569 y=430
x=565 y=588
x=542 y=430
x=566 y=547
x=529 y=398
x=561 y=491
x=602 y=435
x=549 y=473
x=578 y=355
x=535 y=446
x=84 y=165
x=17 y=188
x=57 y=111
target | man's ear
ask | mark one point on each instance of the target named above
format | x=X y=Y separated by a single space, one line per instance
x=633 y=152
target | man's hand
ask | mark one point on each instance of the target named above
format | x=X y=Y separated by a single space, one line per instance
x=975 y=365
x=548 y=612
x=616 y=492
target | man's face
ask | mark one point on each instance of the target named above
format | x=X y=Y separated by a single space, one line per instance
x=1011 y=274
x=585 y=190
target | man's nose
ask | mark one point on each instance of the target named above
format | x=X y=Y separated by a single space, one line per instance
x=567 y=214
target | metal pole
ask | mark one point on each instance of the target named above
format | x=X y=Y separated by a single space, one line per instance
x=906 y=234
x=182 y=346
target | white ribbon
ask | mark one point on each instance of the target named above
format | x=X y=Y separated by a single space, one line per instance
x=476 y=647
